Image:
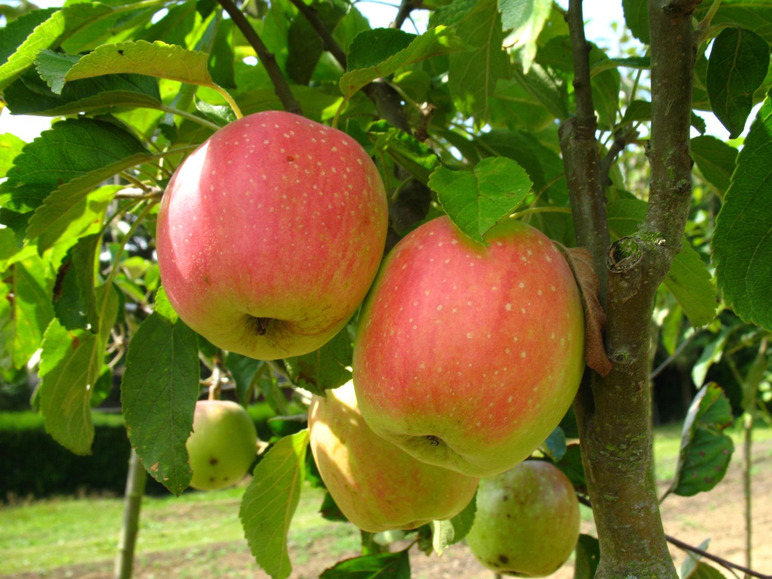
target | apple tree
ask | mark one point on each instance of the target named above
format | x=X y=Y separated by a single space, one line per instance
x=474 y=112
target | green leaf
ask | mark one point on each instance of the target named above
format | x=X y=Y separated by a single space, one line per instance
x=524 y=19
x=689 y=278
x=605 y=89
x=270 y=501
x=407 y=151
x=544 y=89
x=382 y=565
x=741 y=249
x=451 y=531
x=70 y=366
x=572 y=467
x=705 y=450
x=33 y=284
x=691 y=283
x=637 y=18
x=84 y=256
x=555 y=445
x=544 y=166
x=327 y=367
x=372 y=47
x=158 y=394
x=70 y=149
x=10 y=147
x=23 y=38
x=477 y=200
x=748 y=14
x=587 y=557
x=72 y=211
x=31 y=95
x=738 y=64
x=158 y=59
x=434 y=42
x=715 y=159
x=52 y=66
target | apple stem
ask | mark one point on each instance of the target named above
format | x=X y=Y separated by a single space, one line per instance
x=214 y=382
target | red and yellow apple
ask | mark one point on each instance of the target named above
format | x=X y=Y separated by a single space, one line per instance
x=527 y=520
x=270 y=234
x=223 y=444
x=468 y=356
x=377 y=486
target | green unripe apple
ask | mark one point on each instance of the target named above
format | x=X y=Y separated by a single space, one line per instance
x=223 y=444
x=527 y=520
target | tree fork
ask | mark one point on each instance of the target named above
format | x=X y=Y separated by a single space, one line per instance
x=614 y=413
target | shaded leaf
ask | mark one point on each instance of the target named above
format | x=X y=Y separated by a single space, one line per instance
x=738 y=64
x=72 y=148
x=587 y=557
x=324 y=368
x=434 y=42
x=33 y=283
x=637 y=18
x=741 y=248
x=270 y=501
x=474 y=73
x=715 y=159
x=555 y=445
x=451 y=531
x=750 y=15
x=70 y=366
x=705 y=450
x=72 y=211
x=382 y=566
x=158 y=393
x=477 y=200
x=407 y=151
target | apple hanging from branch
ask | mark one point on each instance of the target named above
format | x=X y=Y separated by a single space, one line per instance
x=378 y=486
x=270 y=234
x=223 y=444
x=468 y=356
x=527 y=520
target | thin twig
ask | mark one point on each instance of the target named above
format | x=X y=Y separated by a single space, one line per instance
x=330 y=45
x=621 y=140
x=280 y=85
x=405 y=8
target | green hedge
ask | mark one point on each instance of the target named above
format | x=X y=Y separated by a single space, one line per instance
x=33 y=464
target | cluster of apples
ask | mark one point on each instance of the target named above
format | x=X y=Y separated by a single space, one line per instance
x=270 y=237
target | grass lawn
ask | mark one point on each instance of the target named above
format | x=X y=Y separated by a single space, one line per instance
x=45 y=534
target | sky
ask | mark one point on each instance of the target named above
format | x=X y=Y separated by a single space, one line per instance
x=598 y=15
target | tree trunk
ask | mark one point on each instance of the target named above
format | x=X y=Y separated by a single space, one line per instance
x=614 y=412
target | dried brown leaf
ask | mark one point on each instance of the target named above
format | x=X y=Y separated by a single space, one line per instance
x=580 y=261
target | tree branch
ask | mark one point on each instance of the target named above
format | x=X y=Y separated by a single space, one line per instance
x=330 y=45
x=280 y=85
x=405 y=8
x=580 y=155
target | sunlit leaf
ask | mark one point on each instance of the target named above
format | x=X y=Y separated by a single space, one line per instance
x=270 y=501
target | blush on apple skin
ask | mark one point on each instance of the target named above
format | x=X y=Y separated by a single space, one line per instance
x=468 y=356
x=271 y=233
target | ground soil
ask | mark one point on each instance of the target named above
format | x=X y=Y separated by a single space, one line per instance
x=717 y=516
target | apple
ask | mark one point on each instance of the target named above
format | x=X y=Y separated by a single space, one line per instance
x=223 y=445
x=270 y=234
x=468 y=356
x=377 y=486
x=527 y=520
